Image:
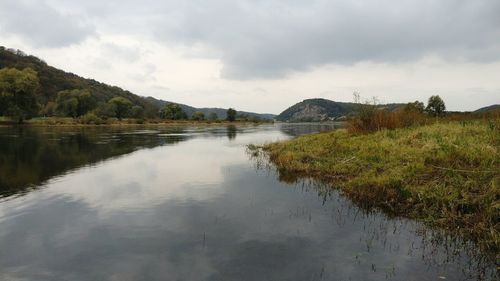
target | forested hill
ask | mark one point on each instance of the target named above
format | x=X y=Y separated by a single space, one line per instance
x=53 y=81
x=322 y=109
x=316 y=110
x=221 y=112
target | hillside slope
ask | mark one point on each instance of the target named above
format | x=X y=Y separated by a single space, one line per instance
x=491 y=108
x=312 y=110
x=315 y=110
x=53 y=80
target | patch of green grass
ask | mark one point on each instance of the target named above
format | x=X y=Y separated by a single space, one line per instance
x=446 y=174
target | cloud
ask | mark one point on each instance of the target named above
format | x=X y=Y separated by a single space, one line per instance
x=40 y=24
x=270 y=39
x=215 y=53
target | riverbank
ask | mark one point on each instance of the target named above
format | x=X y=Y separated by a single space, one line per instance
x=126 y=122
x=446 y=174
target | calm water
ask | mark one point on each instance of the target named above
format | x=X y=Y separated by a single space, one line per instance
x=189 y=204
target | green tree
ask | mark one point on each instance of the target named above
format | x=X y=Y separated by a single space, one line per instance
x=198 y=115
x=74 y=103
x=67 y=106
x=231 y=114
x=122 y=106
x=416 y=106
x=137 y=112
x=18 y=93
x=86 y=102
x=435 y=106
x=49 y=109
x=213 y=116
x=105 y=110
x=172 y=111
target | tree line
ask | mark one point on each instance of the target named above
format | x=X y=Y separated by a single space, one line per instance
x=19 y=99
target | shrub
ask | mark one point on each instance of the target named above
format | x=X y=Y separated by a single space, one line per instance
x=91 y=118
x=371 y=118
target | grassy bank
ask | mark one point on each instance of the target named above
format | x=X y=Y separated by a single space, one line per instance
x=77 y=122
x=446 y=174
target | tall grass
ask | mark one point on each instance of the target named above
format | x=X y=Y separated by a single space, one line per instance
x=372 y=118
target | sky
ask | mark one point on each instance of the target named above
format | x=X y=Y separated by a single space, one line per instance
x=265 y=55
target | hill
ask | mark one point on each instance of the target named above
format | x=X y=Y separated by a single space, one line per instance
x=221 y=112
x=312 y=110
x=316 y=110
x=53 y=80
x=491 y=108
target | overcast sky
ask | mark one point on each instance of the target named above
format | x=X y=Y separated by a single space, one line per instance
x=265 y=55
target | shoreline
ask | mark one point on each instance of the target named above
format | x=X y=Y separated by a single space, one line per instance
x=70 y=122
x=444 y=174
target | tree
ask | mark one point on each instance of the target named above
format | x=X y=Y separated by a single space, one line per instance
x=172 y=111
x=49 y=109
x=122 y=106
x=18 y=93
x=137 y=112
x=435 y=106
x=86 y=102
x=105 y=110
x=231 y=114
x=213 y=116
x=74 y=103
x=198 y=116
x=416 y=106
x=68 y=106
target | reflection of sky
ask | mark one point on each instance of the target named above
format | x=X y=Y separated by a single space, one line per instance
x=198 y=210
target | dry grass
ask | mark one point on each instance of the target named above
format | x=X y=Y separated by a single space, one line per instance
x=371 y=118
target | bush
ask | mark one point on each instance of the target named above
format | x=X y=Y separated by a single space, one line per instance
x=198 y=116
x=91 y=118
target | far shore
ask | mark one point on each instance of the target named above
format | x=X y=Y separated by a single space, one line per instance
x=126 y=122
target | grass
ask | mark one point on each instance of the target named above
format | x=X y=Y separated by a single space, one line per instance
x=446 y=174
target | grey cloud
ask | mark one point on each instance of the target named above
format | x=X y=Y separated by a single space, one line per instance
x=270 y=39
x=41 y=24
x=127 y=53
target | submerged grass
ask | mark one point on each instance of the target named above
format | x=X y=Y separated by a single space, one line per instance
x=446 y=174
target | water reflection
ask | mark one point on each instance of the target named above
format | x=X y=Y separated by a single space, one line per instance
x=30 y=156
x=231 y=132
x=199 y=210
x=297 y=129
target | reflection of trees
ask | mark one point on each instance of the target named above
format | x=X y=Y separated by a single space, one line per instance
x=437 y=248
x=30 y=156
x=231 y=132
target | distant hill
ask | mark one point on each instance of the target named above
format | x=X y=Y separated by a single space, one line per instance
x=53 y=80
x=495 y=107
x=311 y=110
x=315 y=110
x=221 y=112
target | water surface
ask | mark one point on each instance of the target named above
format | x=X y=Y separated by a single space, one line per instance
x=189 y=204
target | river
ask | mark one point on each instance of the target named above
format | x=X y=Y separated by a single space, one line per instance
x=191 y=204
